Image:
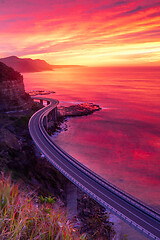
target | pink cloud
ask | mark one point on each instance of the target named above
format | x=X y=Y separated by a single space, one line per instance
x=39 y=27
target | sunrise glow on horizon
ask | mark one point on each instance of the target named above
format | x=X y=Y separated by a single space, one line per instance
x=92 y=33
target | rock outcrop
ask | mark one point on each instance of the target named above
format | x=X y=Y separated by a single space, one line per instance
x=78 y=109
x=12 y=93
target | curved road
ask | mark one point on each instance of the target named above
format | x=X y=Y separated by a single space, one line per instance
x=125 y=206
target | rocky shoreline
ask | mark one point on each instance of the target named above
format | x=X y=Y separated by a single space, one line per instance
x=39 y=92
x=77 y=110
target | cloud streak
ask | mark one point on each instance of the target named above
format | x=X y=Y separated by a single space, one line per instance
x=81 y=32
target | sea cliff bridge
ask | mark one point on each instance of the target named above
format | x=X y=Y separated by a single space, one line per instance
x=134 y=212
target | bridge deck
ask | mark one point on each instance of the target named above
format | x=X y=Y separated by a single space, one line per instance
x=129 y=209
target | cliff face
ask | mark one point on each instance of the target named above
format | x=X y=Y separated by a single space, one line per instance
x=12 y=93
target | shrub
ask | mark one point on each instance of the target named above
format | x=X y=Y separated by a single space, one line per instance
x=23 y=218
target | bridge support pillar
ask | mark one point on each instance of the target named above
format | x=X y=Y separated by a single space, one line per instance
x=71 y=192
x=41 y=101
x=46 y=122
x=48 y=102
x=54 y=114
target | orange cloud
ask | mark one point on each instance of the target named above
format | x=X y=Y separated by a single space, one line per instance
x=82 y=32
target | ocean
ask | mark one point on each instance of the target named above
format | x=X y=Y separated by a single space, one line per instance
x=121 y=142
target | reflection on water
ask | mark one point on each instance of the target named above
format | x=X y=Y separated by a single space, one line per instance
x=121 y=142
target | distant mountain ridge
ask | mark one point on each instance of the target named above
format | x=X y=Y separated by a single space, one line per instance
x=26 y=64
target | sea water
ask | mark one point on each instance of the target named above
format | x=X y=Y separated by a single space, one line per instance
x=121 y=142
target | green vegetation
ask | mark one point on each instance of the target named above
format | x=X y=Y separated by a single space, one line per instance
x=125 y=237
x=21 y=217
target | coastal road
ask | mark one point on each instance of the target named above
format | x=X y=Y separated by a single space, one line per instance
x=134 y=212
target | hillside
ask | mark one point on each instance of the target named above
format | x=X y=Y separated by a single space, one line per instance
x=8 y=72
x=26 y=64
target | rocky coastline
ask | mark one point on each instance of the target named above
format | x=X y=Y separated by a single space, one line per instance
x=19 y=156
x=76 y=110
x=39 y=92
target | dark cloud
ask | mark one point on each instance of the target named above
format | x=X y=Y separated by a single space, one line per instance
x=99 y=8
x=137 y=9
x=119 y=3
x=157 y=14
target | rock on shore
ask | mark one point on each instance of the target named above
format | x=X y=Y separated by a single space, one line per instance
x=78 y=109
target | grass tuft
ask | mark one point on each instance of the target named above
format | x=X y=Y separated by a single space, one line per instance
x=22 y=218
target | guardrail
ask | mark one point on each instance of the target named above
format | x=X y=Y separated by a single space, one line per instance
x=98 y=178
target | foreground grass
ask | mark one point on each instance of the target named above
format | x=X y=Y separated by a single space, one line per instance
x=23 y=218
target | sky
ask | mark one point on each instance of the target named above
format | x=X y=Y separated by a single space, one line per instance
x=84 y=32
